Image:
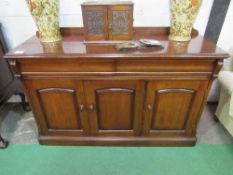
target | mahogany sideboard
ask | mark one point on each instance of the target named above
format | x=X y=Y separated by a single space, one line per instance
x=88 y=93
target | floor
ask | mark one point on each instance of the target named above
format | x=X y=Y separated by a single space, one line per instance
x=19 y=127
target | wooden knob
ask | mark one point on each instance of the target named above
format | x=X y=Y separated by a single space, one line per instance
x=82 y=107
x=91 y=107
x=110 y=26
x=149 y=107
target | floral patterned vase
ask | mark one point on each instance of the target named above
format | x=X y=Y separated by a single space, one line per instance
x=46 y=16
x=52 y=48
x=177 y=47
x=183 y=15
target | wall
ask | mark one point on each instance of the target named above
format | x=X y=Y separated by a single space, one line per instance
x=18 y=24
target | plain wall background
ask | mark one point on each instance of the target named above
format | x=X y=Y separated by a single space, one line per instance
x=18 y=24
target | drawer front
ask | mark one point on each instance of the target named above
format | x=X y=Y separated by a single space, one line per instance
x=82 y=67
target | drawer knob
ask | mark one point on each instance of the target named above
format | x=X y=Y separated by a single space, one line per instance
x=110 y=25
x=149 y=107
x=82 y=107
x=91 y=107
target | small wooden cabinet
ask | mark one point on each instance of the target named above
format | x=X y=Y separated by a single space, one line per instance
x=108 y=21
x=92 y=94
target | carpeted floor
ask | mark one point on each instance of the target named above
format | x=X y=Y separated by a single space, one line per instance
x=51 y=160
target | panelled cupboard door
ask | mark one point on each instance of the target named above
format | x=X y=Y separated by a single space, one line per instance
x=120 y=22
x=95 y=20
x=58 y=105
x=172 y=107
x=114 y=107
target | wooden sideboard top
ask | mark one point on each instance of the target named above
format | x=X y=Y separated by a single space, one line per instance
x=74 y=46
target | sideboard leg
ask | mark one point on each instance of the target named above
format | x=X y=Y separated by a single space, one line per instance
x=3 y=143
x=26 y=106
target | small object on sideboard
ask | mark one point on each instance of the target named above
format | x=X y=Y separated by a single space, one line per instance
x=150 y=43
x=182 y=18
x=132 y=45
x=108 y=20
x=46 y=17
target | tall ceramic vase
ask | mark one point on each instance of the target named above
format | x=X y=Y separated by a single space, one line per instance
x=183 y=15
x=46 y=16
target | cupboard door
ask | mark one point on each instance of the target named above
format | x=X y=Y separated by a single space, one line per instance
x=120 y=22
x=173 y=107
x=95 y=20
x=114 y=107
x=59 y=106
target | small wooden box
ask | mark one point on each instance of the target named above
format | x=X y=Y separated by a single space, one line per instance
x=108 y=20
